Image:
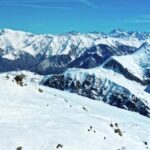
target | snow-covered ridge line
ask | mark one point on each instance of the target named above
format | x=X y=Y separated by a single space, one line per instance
x=43 y=53
x=113 y=32
x=104 y=85
x=34 y=44
x=135 y=66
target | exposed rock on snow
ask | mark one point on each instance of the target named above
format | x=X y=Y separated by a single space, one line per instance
x=104 y=85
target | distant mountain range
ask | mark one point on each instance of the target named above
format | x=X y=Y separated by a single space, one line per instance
x=113 y=67
x=47 y=54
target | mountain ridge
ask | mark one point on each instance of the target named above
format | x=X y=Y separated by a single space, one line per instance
x=40 y=48
x=118 y=55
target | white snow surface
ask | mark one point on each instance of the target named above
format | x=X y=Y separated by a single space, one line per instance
x=41 y=121
x=12 y=43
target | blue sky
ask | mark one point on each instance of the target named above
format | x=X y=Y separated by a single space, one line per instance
x=59 y=16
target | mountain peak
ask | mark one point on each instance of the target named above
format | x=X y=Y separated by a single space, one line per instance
x=118 y=33
x=145 y=45
x=7 y=30
x=11 y=31
x=114 y=31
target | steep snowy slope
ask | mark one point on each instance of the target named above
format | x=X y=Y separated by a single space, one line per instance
x=136 y=65
x=39 y=118
x=104 y=85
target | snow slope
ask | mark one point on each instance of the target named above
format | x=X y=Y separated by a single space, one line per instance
x=137 y=63
x=103 y=85
x=42 y=120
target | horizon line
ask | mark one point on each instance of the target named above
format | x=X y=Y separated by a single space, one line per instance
x=74 y=31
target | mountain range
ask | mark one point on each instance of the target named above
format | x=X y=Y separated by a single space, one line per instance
x=74 y=91
x=111 y=67
x=54 y=53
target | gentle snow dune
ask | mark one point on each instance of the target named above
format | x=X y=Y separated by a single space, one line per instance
x=42 y=120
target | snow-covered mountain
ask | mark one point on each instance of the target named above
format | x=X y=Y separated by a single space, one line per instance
x=121 y=79
x=104 y=85
x=35 y=117
x=12 y=41
x=122 y=76
x=111 y=68
x=136 y=65
x=46 y=54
